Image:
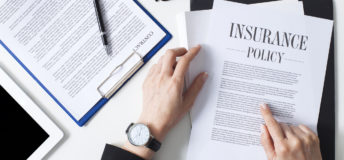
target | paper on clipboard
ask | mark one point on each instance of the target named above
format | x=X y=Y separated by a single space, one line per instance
x=59 y=44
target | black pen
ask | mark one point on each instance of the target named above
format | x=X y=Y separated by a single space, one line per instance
x=101 y=26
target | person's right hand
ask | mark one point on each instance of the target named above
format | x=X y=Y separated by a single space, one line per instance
x=284 y=142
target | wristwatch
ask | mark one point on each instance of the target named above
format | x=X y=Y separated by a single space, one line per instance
x=139 y=135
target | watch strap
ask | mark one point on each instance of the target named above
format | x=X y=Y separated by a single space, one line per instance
x=153 y=144
x=127 y=130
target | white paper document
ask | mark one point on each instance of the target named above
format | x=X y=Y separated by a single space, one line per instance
x=194 y=26
x=253 y=56
x=59 y=42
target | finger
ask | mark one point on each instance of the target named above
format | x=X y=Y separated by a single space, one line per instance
x=183 y=63
x=174 y=65
x=170 y=59
x=309 y=133
x=272 y=125
x=150 y=76
x=287 y=131
x=193 y=91
x=152 y=70
x=297 y=132
x=302 y=136
x=306 y=129
x=267 y=142
x=159 y=65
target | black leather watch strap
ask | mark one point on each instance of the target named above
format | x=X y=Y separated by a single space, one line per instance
x=127 y=130
x=154 y=145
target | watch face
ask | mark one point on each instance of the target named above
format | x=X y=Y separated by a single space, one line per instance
x=138 y=134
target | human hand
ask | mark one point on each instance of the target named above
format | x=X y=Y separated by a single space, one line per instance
x=164 y=102
x=286 y=142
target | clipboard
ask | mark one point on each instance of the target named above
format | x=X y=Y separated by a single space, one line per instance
x=105 y=96
x=137 y=67
x=326 y=121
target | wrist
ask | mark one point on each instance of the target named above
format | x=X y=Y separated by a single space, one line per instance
x=157 y=129
x=144 y=151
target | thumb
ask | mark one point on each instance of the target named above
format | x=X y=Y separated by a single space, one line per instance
x=193 y=91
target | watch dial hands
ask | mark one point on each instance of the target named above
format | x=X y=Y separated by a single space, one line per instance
x=139 y=134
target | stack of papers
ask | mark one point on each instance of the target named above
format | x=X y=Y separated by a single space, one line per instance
x=263 y=53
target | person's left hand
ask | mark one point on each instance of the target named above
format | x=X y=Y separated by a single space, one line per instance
x=164 y=102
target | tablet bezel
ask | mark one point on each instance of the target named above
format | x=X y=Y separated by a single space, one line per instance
x=55 y=133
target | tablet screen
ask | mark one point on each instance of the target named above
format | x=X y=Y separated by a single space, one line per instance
x=21 y=134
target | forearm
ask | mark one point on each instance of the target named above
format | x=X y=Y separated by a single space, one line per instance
x=112 y=152
x=142 y=152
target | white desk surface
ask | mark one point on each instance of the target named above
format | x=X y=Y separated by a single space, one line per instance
x=109 y=124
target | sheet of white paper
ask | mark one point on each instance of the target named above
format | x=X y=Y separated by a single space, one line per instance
x=283 y=5
x=219 y=125
x=198 y=20
x=59 y=42
x=193 y=26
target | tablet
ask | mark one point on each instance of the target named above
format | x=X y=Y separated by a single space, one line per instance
x=28 y=131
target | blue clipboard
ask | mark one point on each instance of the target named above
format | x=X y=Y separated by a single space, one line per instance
x=102 y=101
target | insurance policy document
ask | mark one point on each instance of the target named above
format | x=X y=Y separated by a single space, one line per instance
x=59 y=42
x=245 y=72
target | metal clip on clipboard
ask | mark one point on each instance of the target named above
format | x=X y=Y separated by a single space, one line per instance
x=123 y=79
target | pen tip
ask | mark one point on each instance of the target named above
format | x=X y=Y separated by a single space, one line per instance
x=108 y=50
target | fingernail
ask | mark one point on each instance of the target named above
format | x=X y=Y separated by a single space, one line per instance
x=264 y=106
x=262 y=129
x=205 y=76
